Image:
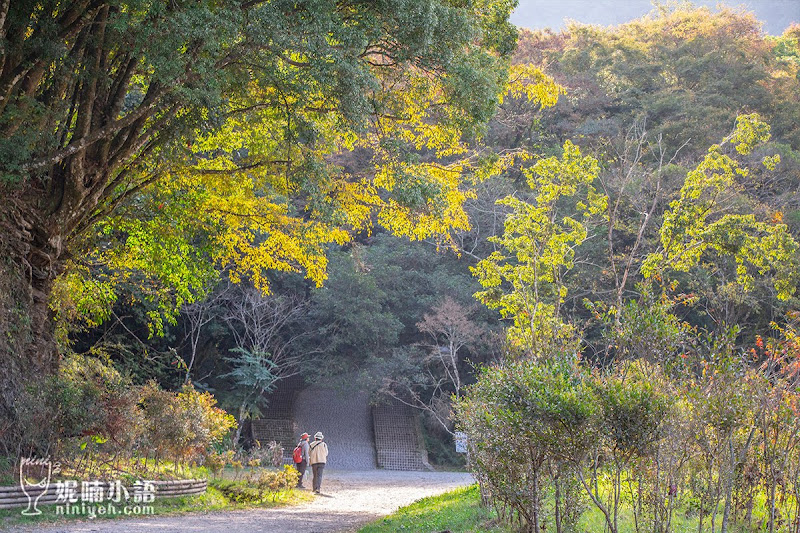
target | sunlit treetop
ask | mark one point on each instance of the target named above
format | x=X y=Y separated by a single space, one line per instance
x=524 y=278
x=145 y=136
x=709 y=218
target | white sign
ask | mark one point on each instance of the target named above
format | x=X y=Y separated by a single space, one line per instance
x=460 y=439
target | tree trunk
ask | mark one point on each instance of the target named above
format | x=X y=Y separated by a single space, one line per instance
x=726 y=510
x=240 y=422
x=717 y=496
x=557 y=482
x=535 y=498
x=772 y=505
x=29 y=264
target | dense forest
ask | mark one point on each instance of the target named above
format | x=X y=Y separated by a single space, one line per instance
x=649 y=268
x=584 y=242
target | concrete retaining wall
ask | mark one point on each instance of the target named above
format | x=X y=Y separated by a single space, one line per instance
x=345 y=418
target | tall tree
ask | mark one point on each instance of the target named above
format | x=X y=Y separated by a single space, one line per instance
x=524 y=278
x=233 y=111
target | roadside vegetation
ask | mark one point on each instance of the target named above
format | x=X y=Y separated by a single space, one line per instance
x=581 y=249
x=649 y=281
x=459 y=510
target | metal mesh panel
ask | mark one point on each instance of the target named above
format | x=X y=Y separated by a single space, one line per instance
x=281 y=431
x=397 y=438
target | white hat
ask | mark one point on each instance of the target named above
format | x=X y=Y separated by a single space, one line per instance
x=318 y=435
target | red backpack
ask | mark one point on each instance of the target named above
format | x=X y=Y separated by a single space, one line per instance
x=297 y=454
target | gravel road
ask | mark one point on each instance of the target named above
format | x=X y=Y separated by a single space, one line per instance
x=348 y=500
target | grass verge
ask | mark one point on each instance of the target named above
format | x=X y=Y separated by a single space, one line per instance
x=459 y=511
x=456 y=511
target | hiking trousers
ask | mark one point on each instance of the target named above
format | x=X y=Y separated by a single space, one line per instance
x=316 y=469
x=301 y=468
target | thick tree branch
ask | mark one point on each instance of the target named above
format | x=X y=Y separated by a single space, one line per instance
x=148 y=107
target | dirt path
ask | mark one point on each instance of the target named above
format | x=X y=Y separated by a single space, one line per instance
x=348 y=500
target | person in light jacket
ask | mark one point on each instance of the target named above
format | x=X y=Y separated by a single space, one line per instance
x=318 y=456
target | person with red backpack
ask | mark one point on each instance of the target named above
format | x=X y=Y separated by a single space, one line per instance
x=300 y=458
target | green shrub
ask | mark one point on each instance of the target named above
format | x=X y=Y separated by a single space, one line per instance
x=526 y=421
x=259 y=485
x=274 y=481
x=239 y=491
x=92 y=419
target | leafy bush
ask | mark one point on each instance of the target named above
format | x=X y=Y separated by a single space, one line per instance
x=526 y=421
x=553 y=429
x=205 y=422
x=239 y=491
x=274 y=481
x=215 y=461
x=97 y=419
x=86 y=404
x=259 y=485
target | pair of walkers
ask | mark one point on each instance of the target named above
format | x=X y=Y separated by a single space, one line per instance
x=314 y=454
